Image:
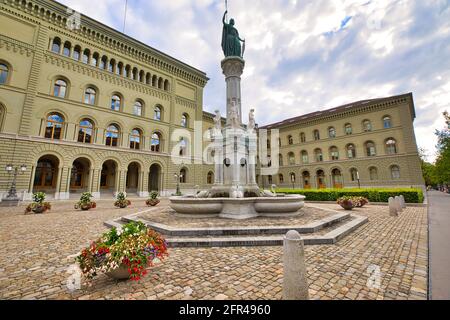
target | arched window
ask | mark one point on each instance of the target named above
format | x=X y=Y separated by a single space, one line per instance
x=119 y=69
x=183 y=175
x=367 y=126
x=111 y=65
x=331 y=132
x=184 y=120
x=183 y=147
x=135 y=139
x=66 y=49
x=76 y=53
x=137 y=108
x=95 y=58
x=291 y=157
x=306 y=180
x=290 y=140
x=305 y=157
x=348 y=129
x=351 y=151
x=316 y=135
x=336 y=178
x=148 y=78
x=210 y=178
x=166 y=85
x=373 y=173
x=387 y=123
x=156 y=142
x=112 y=135
x=85 y=58
x=280 y=178
x=127 y=72
x=154 y=81
x=85 y=131
x=270 y=179
x=115 y=103
x=160 y=83
x=4 y=72
x=391 y=146
x=334 y=153
x=354 y=174
x=321 y=182
x=56 y=46
x=370 y=149
x=142 y=76
x=292 y=176
x=135 y=74
x=395 y=172
x=60 y=88
x=280 y=160
x=157 y=114
x=318 y=155
x=103 y=63
x=90 y=96
x=302 y=137
x=54 y=128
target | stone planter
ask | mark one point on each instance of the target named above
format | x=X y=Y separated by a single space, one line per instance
x=347 y=206
x=153 y=202
x=120 y=273
x=39 y=209
x=86 y=207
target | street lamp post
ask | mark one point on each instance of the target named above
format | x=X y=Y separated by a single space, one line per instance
x=12 y=200
x=359 y=180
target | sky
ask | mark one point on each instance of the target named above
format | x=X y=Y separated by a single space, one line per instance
x=304 y=55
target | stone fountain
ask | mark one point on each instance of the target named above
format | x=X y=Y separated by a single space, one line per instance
x=235 y=193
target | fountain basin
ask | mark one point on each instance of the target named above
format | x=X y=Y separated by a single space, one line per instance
x=240 y=208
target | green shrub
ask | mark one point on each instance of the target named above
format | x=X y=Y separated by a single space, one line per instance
x=373 y=195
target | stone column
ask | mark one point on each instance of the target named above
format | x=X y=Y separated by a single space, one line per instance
x=295 y=282
x=58 y=184
x=117 y=181
x=233 y=67
x=96 y=183
x=91 y=180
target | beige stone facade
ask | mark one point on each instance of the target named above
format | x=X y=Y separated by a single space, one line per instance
x=90 y=109
x=372 y=141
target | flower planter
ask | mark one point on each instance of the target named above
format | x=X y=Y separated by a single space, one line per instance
x=121 y=273
x=153 y=203
x=347 y=206
x=39 y=210
x=86 y=207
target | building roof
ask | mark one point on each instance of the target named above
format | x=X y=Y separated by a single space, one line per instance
x=336 y=110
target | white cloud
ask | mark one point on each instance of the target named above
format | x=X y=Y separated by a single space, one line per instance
x=301 y=55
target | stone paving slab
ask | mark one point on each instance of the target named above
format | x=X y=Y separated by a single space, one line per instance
x=37 y=251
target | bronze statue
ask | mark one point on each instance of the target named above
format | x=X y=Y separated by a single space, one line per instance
x=231 y=42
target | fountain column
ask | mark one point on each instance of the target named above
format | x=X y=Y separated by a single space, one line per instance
x=232 y=68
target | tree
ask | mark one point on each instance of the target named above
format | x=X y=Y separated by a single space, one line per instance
x=428 y=169
x=443 y=158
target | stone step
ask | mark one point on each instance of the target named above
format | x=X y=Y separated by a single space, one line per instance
x=265 y=240
x=312 y=227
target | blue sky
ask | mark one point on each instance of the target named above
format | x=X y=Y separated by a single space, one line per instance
x=303 y=56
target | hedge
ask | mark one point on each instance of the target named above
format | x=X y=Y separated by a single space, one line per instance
x=374 y=195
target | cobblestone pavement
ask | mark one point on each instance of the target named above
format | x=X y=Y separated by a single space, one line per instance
x=35 y=249
x=167 y=217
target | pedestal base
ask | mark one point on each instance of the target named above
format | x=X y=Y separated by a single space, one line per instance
x=10 y=202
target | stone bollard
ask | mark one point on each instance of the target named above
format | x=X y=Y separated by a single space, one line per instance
x=392 y=207
x=402 y=199
x=398 y=204
x=295 y=283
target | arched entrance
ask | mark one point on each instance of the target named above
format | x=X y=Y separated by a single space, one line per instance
x=306 y=180
x=133 y=173
x=46 y=175
x=79 y=176
x=154 y=179
x=336 y=177
x=108 y=179
x=321 y=183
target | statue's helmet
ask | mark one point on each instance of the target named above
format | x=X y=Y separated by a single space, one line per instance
x=232 y=22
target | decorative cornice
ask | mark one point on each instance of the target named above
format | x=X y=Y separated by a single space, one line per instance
x=16 y=46
x=185 y=102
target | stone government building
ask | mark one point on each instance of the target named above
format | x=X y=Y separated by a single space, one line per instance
x=91 y=109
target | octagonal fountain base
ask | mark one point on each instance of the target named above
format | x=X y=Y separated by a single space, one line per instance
x=238 y=208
